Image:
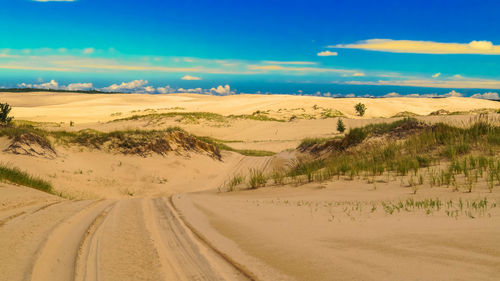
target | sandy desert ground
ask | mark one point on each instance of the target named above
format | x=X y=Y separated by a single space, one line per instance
x=169 y=217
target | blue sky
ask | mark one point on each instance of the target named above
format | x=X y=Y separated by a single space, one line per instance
x=332 y=45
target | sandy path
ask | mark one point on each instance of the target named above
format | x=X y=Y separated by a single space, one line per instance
x=128 y=239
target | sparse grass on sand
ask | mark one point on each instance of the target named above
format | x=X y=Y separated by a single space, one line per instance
x=194 y=117
x=428 y=146
x=247 y=152
x=17 y=176
x=407 y=148
x=126 y=138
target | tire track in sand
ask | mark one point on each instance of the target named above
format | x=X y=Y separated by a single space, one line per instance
x=57 y=258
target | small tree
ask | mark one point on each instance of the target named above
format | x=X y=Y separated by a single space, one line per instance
x=4 y=113
x=340 y=125
x=360 y=109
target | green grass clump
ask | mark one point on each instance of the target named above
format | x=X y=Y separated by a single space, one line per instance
x=426 y=146
x=405 y=114
x=15 y=175
x=258 y=116
x=330 y=113
x=256 y=179
x=308 y=142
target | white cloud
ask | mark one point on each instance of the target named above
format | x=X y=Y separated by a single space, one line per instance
x=127 y=86
x=489 y=96
x=453 y=83
x=48 y=85
x=392 y=95
x=220 y=90
x=79 y=86
x=189 y=77
x=289 y=62
x=436 y=75
x=54 y=85
x=423 y=47
x=165 y=90
x=457 y=76
x=327 y=54
x=88 y=51
x=481 y=45
x=452 y=94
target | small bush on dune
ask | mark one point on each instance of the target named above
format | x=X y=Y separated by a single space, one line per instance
x=340 y=126
x=360 y=109
x=5 y=109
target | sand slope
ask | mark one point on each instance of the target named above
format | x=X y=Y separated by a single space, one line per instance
x=320 y=234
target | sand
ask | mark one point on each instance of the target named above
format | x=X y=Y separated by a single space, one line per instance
x=128 y=217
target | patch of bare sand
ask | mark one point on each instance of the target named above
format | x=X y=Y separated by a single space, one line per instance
x=323 y=233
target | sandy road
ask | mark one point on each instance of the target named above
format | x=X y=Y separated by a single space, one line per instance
x=129 y=239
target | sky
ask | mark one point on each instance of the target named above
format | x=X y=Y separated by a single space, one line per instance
x=298 y=47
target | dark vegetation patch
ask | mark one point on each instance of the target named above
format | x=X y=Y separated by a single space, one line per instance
x=137 y=142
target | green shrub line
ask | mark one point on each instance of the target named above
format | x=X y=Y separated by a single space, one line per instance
x=17 y=176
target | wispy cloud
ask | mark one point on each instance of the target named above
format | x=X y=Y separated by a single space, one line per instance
x=327 y=54
x=436 y=75
x=189 y=77
x=463 y=83
x=423 y=47
x=289 y=62
x=300 y=69
x=88 y=51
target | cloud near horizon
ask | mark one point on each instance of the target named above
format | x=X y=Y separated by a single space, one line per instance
x=189 y=77
x=142 y=87
x=457 y=82
x=135 y=86
x=453 y=93
x=423 y=47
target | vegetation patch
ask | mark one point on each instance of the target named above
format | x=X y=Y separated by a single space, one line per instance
x=426 y=147
x=139 y=142
x=17 y=176
x=405 y=114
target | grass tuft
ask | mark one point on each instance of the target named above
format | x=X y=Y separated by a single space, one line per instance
x=17 y=176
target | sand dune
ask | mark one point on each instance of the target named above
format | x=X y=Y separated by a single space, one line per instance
x=87 y=108
x=163 y=217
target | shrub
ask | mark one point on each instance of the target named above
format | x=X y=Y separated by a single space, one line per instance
x=4 y=113
x=355 y=136
x=360 y=109
x=340 y=126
